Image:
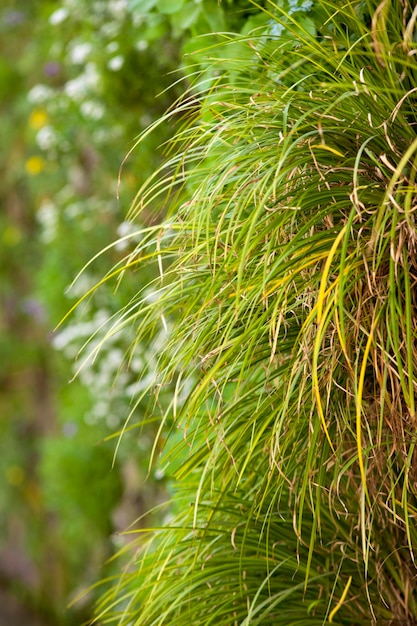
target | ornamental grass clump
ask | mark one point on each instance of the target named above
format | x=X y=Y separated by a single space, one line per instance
x=287 y=295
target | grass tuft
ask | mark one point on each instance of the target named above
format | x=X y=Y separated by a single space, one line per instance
x=286 y=301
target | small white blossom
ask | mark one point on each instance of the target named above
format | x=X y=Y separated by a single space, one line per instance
x=116 y=63
x=40 y=93
x=104 y=135
x=118 y=8
x=112 y=47
x=127 y=232
x=136 y=364
x=110 y=29
x=114 y=359
x=92 y=110
x=80 y=52
x=137 y=19
x=79 y=87
x=142 y=44
x=46 y=138
x=47 y=216
x=58 y=16
x=125 y=228
x=76 y=88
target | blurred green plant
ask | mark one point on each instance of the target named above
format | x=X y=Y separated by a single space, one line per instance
x=66 y=125
x=78 y=80
x=287 y=266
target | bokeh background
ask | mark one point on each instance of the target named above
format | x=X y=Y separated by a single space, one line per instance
x=79 y=81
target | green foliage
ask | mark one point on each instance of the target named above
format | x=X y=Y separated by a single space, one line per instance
x=76 y=84
x=81 y=471
x=197 y=23
x=287 y=266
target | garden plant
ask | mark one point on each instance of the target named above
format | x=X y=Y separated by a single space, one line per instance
x=79 y=79
x=283 y=319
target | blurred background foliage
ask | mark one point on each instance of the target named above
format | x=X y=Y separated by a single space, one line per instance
x=79 y=80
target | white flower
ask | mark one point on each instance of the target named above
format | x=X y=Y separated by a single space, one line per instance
x=137 y=19
x=47 y=216
x=112 y=47
x=137 y=365
x=80 y=52
x=114 y=359
x=118 y=8
x=115 y=63
x=142 y=44
x=58 y=16
x=104 y=135
x=92 y=110
x=110 y=29
x=127 y=233
x=91 y=74
x=78 y=87
x=46 y=138
x=40 y=93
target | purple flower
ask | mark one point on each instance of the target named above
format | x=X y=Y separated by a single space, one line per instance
x=33 y=308
x=13 y=18
x=51 y=69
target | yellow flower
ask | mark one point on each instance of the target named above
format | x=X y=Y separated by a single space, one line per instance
x=38 y=118
x=34 y=165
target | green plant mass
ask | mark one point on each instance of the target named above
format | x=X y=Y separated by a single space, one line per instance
x=283 y=320
x=66 y=123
